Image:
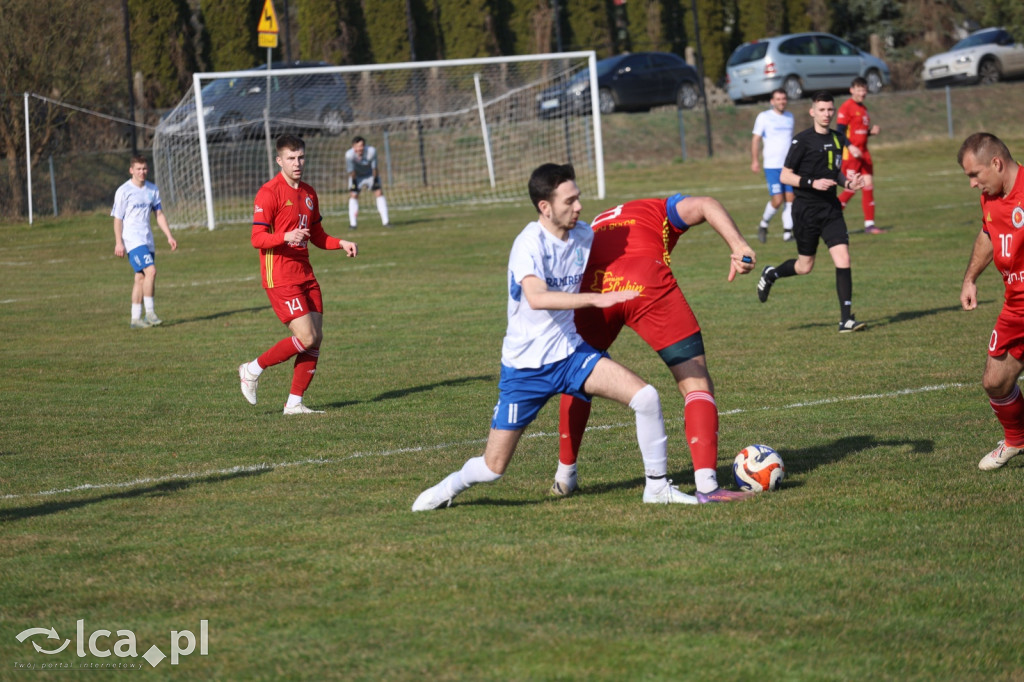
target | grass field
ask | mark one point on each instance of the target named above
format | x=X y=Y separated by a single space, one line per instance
x=140 y=492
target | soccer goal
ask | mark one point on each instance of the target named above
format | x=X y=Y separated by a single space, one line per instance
x=446 y=132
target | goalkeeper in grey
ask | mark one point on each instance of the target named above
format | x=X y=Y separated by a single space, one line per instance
x=361 y=166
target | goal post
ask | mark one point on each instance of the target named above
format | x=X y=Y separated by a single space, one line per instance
x=446 y=132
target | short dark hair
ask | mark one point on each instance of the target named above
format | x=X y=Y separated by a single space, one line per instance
x=859 y=80
x=358 y=138
x=822 y=96
x=777 y=91
x=138 y=158
x=292 y=142
x=984 y=147
x=546 y=179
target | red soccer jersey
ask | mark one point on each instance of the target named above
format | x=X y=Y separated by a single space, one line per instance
x=280 y=209
x=639 y=228
x=1002 y=220
x=857 y=121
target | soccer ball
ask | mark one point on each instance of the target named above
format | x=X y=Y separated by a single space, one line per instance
x=758 y=468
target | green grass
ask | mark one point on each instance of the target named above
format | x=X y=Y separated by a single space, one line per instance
x=139 y=491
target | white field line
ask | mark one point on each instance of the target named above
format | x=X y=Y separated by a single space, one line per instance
x=266 y=466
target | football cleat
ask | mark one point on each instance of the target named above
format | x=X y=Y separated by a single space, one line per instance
x=139 y=324
x=851 y=325
x=762 y=234
x=998 y=457
x=153 y=319
x=249 y=383
x=764 y=285
x=670 y=494
x=300 y=409
x=722 y=495
x=434 y=498
x=564 y=488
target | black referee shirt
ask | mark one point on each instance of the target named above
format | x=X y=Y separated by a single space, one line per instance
x=813 y=155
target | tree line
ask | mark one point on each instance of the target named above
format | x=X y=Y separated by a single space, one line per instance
x=76 y=52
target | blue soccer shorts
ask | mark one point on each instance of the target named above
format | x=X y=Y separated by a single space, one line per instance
x=773 y=177
x=522 y=392
x=141 y=258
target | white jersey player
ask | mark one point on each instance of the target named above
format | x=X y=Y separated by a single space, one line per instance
x=775 y=128
x=542 y=355
x=361 y=166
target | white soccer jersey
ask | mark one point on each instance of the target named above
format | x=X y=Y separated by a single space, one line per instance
x=776 y=130
x=535 y=338
x=133 y=205
x=364 y=166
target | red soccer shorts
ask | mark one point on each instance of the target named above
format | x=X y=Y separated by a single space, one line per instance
x=660 y=315
x=292 y=301
x=862 y=165
x=1008 y=335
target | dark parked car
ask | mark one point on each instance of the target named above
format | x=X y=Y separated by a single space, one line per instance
x=233 y=107
x=628 y=82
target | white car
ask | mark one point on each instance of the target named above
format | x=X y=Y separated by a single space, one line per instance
x=985 y=56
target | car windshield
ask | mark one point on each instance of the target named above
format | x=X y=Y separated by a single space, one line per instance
x=604 y=66
x=748 y=53
x=977 y=39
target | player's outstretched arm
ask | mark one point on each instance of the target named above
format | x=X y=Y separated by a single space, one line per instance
x=696 y=210
x=981 y=256
x=541 y=298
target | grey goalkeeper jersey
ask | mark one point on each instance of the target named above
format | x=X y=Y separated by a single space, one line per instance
x=363 y=167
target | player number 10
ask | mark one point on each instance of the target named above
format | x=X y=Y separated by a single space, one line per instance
x=1004 y=243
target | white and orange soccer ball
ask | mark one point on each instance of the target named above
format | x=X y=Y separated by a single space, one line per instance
x=758 y=468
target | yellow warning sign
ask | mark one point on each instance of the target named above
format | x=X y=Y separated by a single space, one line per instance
x=268 y=19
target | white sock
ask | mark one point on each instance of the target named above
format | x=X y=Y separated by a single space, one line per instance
x=769 y=213
x=254 y=368
x=787 y=216
x=148 y=302
x=565 y=472
x=136 y=311
x=706 y=479
x=474 y=471
x=382 y=208
x=650 y=431
x=353 y=211
x=869 y=223
x=293 y=400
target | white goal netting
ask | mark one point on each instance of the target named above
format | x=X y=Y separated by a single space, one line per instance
x=446 y=132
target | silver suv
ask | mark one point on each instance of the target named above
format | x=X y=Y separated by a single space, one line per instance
x=800 y=63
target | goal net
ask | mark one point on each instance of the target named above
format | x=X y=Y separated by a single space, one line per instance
x=446 y=132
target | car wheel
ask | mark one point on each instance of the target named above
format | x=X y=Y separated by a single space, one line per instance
x=333 y=122
x=688 y=96
x=793 y=87
x=605 y=101
x=988 y=72
x=874 y=80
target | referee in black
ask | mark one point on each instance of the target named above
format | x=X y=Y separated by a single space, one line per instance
x=812 y=168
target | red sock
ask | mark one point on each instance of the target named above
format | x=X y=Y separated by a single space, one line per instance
x=305 y=367
x=1010 y=413
x=279 y=352
x=701 y=419
x=573 y=414
x=868 y=201
x=845 y=197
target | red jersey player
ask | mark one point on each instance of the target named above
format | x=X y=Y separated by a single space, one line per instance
x=286 y=219
x=990 y=168
x=631 y=251
x=854 y=121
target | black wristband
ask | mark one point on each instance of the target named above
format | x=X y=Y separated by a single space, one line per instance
x=806 y=182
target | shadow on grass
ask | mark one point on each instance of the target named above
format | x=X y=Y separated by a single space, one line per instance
x=905 y=316
x=403 y=392
x=216 y=316
x=158 y=489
